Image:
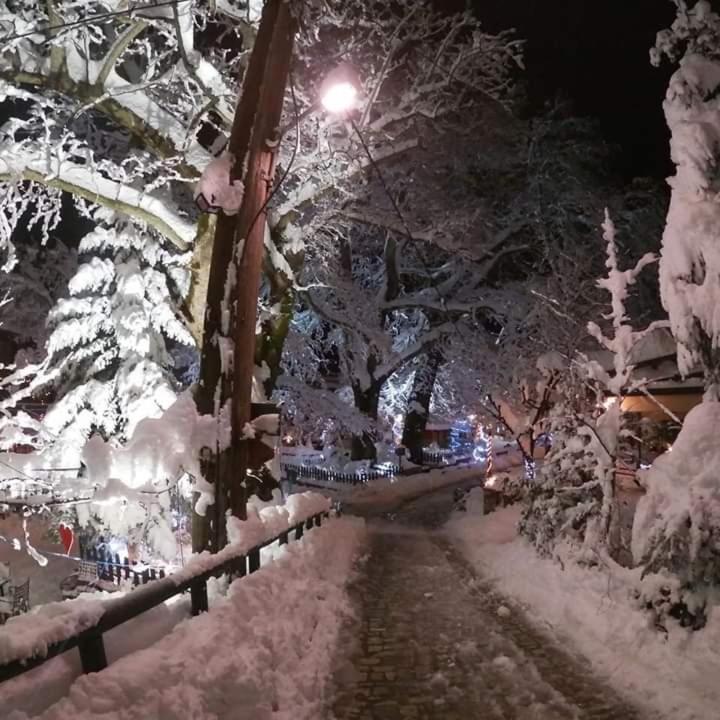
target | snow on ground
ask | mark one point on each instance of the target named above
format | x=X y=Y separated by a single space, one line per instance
x=676 y=677
x=263 y=651
x=392 y=490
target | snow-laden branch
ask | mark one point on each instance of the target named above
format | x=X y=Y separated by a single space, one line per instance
x=624 y=338
x=313 y=189
x=85 y=181
x=386 y=369
x=435 y=303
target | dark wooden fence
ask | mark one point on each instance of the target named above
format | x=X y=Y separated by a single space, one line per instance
x=295 y=473
x=112 y=568
x=90 y=642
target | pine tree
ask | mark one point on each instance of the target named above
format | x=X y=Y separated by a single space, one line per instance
x=108 y=363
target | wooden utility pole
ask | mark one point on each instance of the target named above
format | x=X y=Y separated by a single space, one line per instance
x=227 y=362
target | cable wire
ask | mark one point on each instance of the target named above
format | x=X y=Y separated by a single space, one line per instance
x=21 y=472
x=49 y=29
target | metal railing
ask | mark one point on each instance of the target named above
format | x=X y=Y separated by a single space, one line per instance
x=444 y=456
x=112 y=568
x=295 y=473
x=90 y=641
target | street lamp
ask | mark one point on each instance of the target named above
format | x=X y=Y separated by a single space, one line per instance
x=340 y=89
x=216 y=192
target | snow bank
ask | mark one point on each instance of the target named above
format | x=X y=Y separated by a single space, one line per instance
x=261 y=525
x=683 y=486
x=406 y=487
x=262 y=653
x=593 y=610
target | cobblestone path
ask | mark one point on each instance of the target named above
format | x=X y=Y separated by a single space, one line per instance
x=433 y=641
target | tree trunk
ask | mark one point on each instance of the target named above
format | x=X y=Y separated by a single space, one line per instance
x=281 y=296
x=418 y=410
x=200 y=266
x=366 y=401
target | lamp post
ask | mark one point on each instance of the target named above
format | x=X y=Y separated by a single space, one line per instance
x=249 y=274
x=226 y=378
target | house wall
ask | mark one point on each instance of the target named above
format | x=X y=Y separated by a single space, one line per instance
x=679 y=404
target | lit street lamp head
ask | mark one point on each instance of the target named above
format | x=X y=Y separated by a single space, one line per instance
x=339 y=98
x=340 y=89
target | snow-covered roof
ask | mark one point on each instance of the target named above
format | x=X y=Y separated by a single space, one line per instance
x=654 y=357
x=654 y=345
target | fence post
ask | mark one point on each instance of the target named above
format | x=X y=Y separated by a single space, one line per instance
x=92 y=651
x=198 y=597
x=239 y=567
x=283 y=539
x=318 y=520
x=254 y=560
x=299 y=531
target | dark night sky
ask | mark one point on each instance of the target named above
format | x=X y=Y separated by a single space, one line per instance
x=596 y=53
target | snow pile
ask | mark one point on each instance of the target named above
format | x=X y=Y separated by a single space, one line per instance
x=217 y=190
x=683 y=501
x=593 y=611
x=263 y=652
x=160 y=448
x=261 y=525
x=132 y=477
x=29 y=635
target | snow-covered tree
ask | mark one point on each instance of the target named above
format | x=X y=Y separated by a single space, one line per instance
x=676 y=533
x=575 y=497
x=108 y=362
x=689 y=278
x=36 y=281
x=124 y=109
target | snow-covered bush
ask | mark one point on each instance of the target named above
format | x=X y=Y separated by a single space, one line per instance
x=567 y=495
x=676 y=532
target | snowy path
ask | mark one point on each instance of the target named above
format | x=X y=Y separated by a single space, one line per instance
x=434 y=641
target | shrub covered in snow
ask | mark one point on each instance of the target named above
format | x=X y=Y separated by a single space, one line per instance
x=567 y=501
x=676 y=533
